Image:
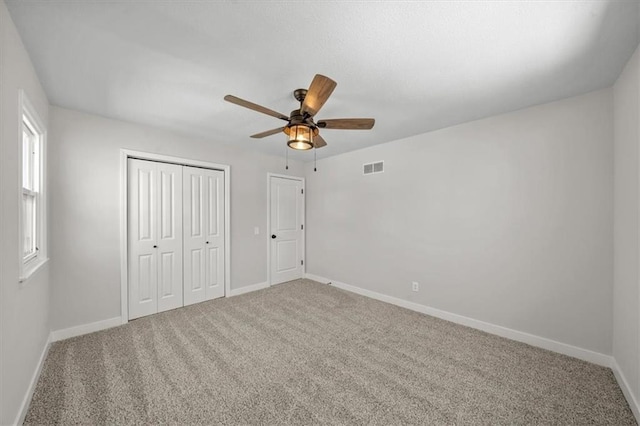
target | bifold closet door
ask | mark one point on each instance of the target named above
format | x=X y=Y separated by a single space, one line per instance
x=155 y=237
x=203 y=191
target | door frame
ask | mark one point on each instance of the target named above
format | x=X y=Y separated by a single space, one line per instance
x=125 y=154
x=304 y=228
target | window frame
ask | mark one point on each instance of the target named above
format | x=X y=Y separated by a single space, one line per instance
x=29 y=117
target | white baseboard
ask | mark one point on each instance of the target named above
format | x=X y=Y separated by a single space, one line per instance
x=26 y=401
x=530 y=339
x=533 y=340
x=626 y=389
x=248 y=288
x=79 y=330
x=317 y=278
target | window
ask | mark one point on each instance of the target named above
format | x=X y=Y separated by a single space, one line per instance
x=32 y=207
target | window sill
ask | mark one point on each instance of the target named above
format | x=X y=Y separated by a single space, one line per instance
x=31 y=268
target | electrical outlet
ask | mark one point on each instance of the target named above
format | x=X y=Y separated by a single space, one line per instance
x=415 y=286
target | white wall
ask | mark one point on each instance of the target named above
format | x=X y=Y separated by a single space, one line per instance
x=506 y=220
x=626 y=299
x=85 y=208
x=24 y=306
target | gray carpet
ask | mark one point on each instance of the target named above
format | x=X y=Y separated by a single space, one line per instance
x=307 y=353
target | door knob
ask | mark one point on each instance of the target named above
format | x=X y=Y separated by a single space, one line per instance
x=273 y=236
x=207 y=242
x=155 y=246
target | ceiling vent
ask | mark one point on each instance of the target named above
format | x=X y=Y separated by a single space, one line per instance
x=372 y=168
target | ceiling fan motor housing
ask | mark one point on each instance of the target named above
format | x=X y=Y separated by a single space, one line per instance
x=300 y=94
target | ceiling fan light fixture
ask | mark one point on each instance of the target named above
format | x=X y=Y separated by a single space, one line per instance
x=302 y=131
x=300 y=137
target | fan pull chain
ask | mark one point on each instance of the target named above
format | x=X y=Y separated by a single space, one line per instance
x=287 y=156
x=315 y=160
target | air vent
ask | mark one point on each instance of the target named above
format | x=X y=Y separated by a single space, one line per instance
x=371 y=168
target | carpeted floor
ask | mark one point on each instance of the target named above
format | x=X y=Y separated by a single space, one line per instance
x=308 y=353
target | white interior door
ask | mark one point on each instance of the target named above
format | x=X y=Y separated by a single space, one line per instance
x=286 y=227
x=203 y=234
x=155 y=237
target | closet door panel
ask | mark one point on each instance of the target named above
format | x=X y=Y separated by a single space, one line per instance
x=194 y=216
x=142 y=235
x=169 y=211
x=215 y=234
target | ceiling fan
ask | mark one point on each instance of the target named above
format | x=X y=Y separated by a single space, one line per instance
x=303 y=132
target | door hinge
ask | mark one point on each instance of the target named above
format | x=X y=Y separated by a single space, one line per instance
x=302 y=262
x=302 y=191
x=301 y=226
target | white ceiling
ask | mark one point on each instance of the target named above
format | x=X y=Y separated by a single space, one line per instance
x=413 y=66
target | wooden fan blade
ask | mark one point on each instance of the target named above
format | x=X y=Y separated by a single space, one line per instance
x=318 y=93
x=267 y=133
x=318 y=142
x=255 y=107
x=347 y=123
